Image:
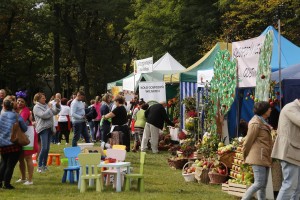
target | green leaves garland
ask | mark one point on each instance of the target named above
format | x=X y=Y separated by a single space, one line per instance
x=263 y=75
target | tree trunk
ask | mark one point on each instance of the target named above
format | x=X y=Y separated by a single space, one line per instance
x=56 y=50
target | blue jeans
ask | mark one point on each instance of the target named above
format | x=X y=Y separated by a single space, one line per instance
x=260 y=183
x=290 y=188
x=92 y=129
x=80 y=128
x=45 y=136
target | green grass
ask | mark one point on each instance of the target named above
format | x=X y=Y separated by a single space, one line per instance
x=161 y=182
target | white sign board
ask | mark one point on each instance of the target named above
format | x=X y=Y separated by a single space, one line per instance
x=144 y=65
x=152 y=91
x=247 y=54
x=204 y=77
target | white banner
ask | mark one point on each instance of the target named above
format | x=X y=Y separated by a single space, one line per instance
x=204 y=77
x=144 y=65
x=152 y=91
x=247 y=54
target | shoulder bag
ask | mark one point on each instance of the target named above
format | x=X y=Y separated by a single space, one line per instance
x=17 y=135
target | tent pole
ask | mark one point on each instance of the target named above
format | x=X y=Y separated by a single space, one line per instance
x=279 y=65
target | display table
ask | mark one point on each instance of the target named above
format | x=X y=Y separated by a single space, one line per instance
x=117 y=166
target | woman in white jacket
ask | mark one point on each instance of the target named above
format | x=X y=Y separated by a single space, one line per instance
x=43 y=114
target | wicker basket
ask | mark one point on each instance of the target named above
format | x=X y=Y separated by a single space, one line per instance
x=202 y=175
x=177 y=164
x=190 y=177
x=216 y=178
x=227 y=158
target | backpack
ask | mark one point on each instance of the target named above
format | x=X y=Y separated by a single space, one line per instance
x=91 y=113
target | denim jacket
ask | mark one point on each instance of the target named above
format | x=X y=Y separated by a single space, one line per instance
x=7 y=119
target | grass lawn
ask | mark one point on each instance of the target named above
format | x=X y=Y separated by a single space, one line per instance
x=161 y=182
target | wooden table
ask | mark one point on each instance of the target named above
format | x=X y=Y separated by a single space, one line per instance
x=117 y=166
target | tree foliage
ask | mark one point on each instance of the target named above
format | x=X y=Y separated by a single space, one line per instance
x=76 y=44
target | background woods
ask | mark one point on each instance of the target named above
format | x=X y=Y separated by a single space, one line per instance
x=64 y=45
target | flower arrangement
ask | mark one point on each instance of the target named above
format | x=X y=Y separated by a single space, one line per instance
x=188 y=147
x=190 y=104
x=209 y=145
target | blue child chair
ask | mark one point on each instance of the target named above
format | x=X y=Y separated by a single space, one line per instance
x=73 y=166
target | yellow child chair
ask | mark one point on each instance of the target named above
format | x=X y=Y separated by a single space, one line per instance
x=139 y=177
x=118 y=146
x=89 y=169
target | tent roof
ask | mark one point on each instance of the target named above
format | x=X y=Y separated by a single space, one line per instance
x=292 y=72
x=117 y=83
x=165 y=65
x=206 y=62
x=289 y=51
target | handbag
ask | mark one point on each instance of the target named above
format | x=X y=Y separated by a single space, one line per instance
x=17 y=135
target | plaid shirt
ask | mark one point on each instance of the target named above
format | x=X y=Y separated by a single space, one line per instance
x=10 y=149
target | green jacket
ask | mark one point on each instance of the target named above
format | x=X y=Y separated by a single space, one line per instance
x=140 y=119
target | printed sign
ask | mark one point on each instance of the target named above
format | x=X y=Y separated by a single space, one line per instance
x=144 y=65
x=247 y=54
x=152 y=91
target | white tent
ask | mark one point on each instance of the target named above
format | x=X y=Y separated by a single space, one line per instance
x=165 y=65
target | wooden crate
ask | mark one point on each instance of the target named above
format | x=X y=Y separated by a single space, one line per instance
x=237 y=189
x=225 y=187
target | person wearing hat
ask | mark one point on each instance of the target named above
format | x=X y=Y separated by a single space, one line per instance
x=257 y=149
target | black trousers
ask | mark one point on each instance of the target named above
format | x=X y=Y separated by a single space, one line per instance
x=7 y=166
x=63 y=131
x=126 y=135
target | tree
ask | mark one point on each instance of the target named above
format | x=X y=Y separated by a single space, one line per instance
x=178 y=27
x=247 y=19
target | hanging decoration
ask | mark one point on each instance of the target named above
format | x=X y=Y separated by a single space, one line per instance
x=263 y=77
x=223 y=85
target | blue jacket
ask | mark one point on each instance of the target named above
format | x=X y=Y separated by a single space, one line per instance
x=7 y=119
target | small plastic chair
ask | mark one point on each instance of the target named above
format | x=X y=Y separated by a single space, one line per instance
x=118 y=146
x=139 y=177
x=73 y=167
x=50 y=158
x=120 y=156
x=89 y=162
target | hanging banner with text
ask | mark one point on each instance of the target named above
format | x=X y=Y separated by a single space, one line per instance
x=144 y=65
x=152 y=91
x=247 y=54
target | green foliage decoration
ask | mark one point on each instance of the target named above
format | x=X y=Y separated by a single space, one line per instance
x=222 y=86
x=263 y=75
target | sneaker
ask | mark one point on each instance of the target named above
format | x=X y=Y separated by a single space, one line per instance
x=66 y=144
x=21 y=181
x=58 y=143
x=8 y=187
x=107 y=146
x=45 y=168
x=40 y=170
x=102 y=145
x=28 y=183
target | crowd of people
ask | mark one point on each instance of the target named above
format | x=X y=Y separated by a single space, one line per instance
x=53 y=120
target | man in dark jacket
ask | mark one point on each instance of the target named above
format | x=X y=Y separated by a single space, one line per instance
x=155 y=115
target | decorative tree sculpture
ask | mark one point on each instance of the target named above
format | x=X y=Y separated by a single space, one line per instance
x=223 y=86
x=263 y=75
